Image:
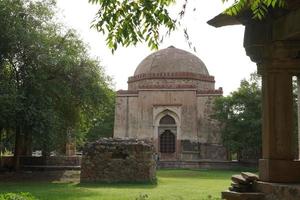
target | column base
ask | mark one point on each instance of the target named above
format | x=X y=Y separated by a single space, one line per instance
x=279 y=171
x=280 y=191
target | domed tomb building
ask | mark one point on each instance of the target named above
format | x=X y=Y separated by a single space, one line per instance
x=170 y=101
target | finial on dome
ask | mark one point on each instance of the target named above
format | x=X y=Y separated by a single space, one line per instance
x=171 y=46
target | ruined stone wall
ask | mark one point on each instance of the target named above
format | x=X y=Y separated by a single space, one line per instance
x=118 y=160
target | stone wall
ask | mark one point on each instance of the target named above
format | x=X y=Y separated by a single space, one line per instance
x=51 y=160
x=134 y=116
x=277 y=191
x=202 y=151
x=118 y=160
x=208 y=128
x=197 y=133
x=206 y=164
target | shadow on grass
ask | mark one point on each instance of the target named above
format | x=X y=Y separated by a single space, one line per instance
x=48 y=191
x=201 y=173
x=172 y=184
x=127 y=185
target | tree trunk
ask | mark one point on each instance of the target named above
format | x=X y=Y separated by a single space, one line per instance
x=28 y=143
x=19 y=147
x=298 y=114
x=1 y=143
x=45 y=149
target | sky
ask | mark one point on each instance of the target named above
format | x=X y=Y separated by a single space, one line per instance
x=221 y=49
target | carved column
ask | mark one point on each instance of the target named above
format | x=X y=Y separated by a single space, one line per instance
x=277 y=104
x=277 y=62
x=277 y=163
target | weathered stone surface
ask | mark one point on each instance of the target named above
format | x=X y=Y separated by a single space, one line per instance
x=238 y=185
x=250 y=177
x=243 y=183
x=118 y=160
x=229 y=195
x=276 y=191
x=171 y=60
x=240 y=188
x=238 y=179
x=279 y=171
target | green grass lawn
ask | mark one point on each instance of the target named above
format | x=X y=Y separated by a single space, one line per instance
x=171 y=185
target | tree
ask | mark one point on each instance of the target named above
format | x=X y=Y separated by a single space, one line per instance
x=48 y=83
x=103 y=124
x=21 y=22
x=240 y=116
x=127 y=22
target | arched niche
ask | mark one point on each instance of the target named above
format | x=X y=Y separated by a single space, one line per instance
x=167 y=120
x=167 y=129
x=166 y=112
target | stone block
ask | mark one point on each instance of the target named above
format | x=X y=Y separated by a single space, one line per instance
x=249 y=176
x=239 y=179
x=279 y=171
x=229 y=195
x=278 y=191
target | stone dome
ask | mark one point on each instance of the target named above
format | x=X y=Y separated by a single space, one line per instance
x=171 y=59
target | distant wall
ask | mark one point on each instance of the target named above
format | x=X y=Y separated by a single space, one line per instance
x=118 y=160
x=195 y=151
x=52 y=160
x=7 y=162
x=206 y=164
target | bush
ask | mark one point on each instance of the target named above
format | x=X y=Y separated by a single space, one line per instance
x=17 y=196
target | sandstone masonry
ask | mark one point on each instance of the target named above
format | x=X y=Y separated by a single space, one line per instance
x=118 y=160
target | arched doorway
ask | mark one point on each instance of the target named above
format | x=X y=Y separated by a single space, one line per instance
x=167 y=131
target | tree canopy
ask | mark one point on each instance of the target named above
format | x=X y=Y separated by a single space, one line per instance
x=48 y=83
x=128 y=22
x=240 y=116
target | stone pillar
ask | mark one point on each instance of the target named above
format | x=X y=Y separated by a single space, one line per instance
x=277 y=163
x=277 y=104
x=278 y=61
